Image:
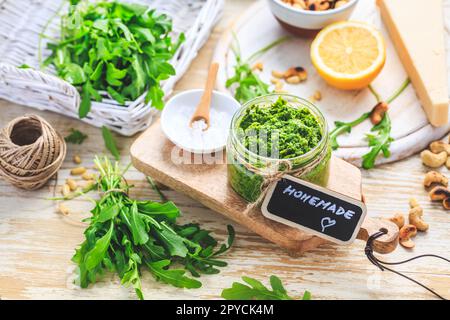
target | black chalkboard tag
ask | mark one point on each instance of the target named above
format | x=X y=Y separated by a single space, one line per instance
x=317 y=210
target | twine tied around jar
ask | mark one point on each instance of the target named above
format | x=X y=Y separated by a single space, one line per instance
x=31 y=152
x=273 y=178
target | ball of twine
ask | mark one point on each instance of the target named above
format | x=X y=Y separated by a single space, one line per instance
x=31 y=152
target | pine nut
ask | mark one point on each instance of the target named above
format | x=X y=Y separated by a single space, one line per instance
x=78 y=171
x=63 y=209
x=72 y=184
x=76 y=159
x=293 y=80
x=65 y=190
x=278 y=74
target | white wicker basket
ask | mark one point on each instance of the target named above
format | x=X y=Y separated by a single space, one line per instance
x=21 y=21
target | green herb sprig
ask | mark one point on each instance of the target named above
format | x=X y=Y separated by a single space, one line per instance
x=126 y=236
x=248 y=84
x=119 y=48
x=378 y=142
x=255 y=290
x=75 y=136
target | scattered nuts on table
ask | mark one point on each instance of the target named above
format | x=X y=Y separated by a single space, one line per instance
x=72 y=184
x=433 y=160
x=435 y=177
x=65 y=190
x=317 y=95
x=398 y=219
x=76 y=159
x=440 y=146
x=378 y=112
x=258 y=66
x=405 y=234
x=293 y=80
x=439 y=193
x=300 y=72
x=78 y=171
x=63 y=209
x=415 y=215
x=446 y=203
x=87 y=176
x=277 y=74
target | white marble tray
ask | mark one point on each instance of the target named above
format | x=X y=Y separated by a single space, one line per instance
x=256 y=28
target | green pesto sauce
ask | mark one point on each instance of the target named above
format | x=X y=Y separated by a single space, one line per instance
x=298 y=129
x=299 y=132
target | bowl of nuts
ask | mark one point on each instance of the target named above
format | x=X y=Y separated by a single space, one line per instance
x=307 y=17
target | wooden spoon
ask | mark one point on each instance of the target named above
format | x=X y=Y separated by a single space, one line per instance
x=202 y=111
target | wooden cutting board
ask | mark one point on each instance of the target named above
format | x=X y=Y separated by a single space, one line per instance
x=153 y=154
x=256 y=27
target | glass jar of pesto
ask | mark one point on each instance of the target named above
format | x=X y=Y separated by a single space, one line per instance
x=273 y=135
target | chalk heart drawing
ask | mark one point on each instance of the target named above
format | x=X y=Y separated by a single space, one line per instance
x=327 y=222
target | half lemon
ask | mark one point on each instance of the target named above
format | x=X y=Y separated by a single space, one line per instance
x=348 y=54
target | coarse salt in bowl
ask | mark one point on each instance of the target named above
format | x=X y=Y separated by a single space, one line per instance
x=178 y=112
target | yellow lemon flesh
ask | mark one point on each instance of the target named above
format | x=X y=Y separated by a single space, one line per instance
x=349 y=54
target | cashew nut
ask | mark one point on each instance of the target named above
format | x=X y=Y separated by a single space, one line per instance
x=405 y=234
x=439 y=146
x=434 y=177
x=433 y=160
x=446 y=203
x=378 y=112
x=447 y=163
x=415 y=218
x=300 y=72
x=439 y=193
x=398 y=219
x=413 y=203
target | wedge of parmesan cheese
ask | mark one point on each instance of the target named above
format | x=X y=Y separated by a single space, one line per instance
x=417 y=29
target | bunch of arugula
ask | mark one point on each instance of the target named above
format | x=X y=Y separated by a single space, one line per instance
x=126 y=235
x=255 y=290
x=120 y=48
x=248 y=84
x=380 y=139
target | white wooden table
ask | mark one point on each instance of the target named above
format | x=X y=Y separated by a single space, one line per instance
x=37 y=243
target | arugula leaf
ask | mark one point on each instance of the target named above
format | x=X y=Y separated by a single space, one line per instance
x=379 y=142
x=110 y=142
x=345 y=127
x=174 y=277
x=248 y=84
x=75 y=137
x=109 y=213
x=255 y=290
x=97 y=253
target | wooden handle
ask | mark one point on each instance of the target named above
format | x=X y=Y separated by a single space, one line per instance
x=202 y=111
x=210 y=82
x=384 y=244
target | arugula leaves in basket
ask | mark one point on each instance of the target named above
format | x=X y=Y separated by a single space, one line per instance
x=75 y=136
x=255 y=290
x=114 y=48
x=127 y=236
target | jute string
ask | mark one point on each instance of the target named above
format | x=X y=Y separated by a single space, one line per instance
x=273 y=178
x=31 y=152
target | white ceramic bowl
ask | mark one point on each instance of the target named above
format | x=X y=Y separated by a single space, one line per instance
x=309 y=20
x=179 y=109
